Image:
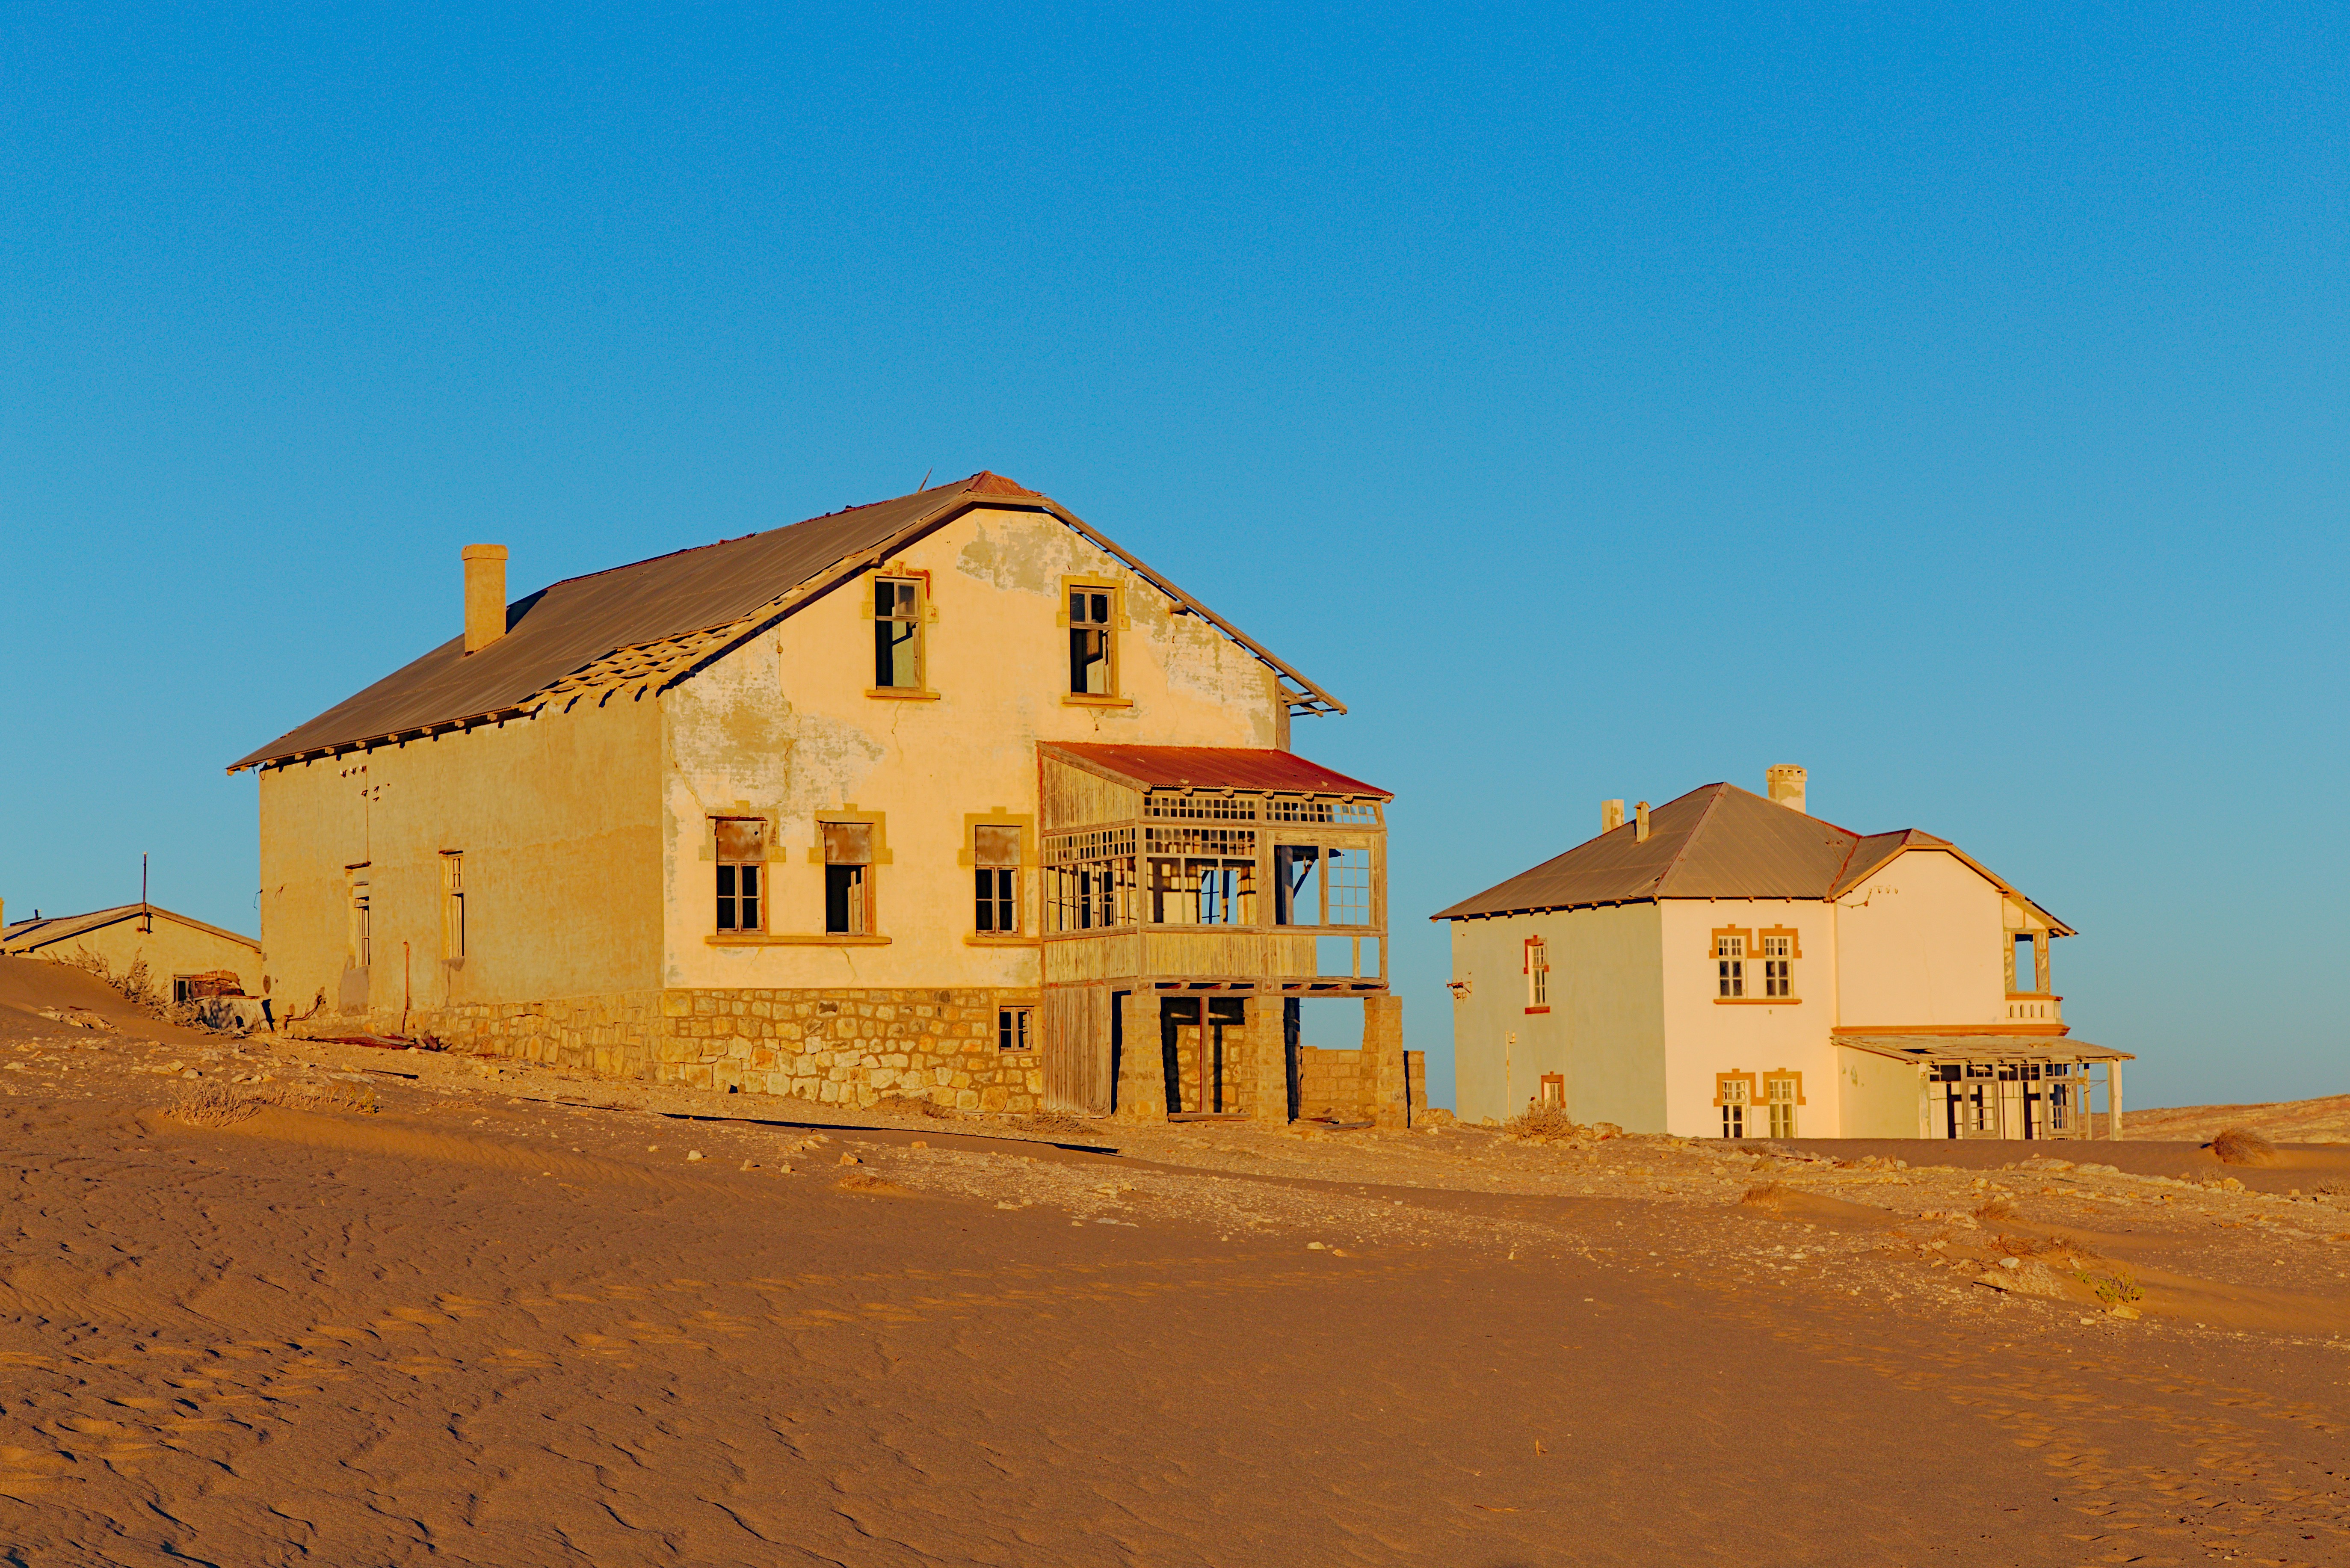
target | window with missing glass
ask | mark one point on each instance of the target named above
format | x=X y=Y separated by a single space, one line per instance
x=742 y=848
x=1092 y=665
x=849 y=879
x=996 y=855
x=898 y=633
x=1013 y=1027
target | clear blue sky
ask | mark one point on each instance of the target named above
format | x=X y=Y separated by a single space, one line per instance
x=1602 y=401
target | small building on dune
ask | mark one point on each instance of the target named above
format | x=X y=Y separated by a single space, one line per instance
x=947 y=797
x=180 y=958
x=1729 y=966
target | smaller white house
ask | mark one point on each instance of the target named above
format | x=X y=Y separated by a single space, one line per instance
x=1728 y=966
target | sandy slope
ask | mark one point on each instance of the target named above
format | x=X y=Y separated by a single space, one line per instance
x=2325 y=1120
x=475 y=1325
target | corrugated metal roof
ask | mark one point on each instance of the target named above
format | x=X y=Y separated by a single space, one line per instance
x=27 y=936
x=688 y=600
x=1986 y=1047
x=1716 y=842
x=1215 y=767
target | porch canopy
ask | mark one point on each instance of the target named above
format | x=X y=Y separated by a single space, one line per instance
x=1986 y=1049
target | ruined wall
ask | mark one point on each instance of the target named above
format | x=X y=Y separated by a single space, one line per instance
x=173 y=948
x=785 y=728
x=1338 y=1084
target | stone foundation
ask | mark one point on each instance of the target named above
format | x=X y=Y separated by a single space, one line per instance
x=835 y=1048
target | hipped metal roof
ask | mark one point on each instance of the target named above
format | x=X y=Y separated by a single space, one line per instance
x=1716 y=842
x=1986 y=1047
x=655 y=622
x=1213 y=768
x=30 y=935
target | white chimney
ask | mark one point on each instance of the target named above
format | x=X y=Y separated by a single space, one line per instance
x=1611 y=815
x=1640 y=823
x=485 y=596
x=1785 y=784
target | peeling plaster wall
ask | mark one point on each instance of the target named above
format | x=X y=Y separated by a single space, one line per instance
x=782 y=727
x=557 y=817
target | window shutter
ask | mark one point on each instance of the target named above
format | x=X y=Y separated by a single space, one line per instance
x=742 y=838
x=994 y=845
x=849 y=843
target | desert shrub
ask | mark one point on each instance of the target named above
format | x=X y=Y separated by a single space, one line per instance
x=226 y=1105
x=2242 y=1146
x=1998 y=1207
x=1768 y=1195
x=1544 y=1123
x=2119 y=1288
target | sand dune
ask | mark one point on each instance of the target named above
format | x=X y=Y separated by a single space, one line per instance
x=479 y=1325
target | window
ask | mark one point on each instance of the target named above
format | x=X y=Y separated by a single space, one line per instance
x=1734 y=1093
x=995 y=852
x=1200 y=891
x=1349 y=876
x=1537 y=976
x=1092 y=672
x=1729 y=957
x=362 y=925
x=1297 y=885
x=1784 y=1093
x=453 y=904
x=742 y=871
x=897 y=633
x=2023 y=972
x=1778 y=965
x=847 y=878
x=1012 y=1025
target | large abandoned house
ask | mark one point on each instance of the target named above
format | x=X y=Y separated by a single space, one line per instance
x=1730 y=966
x=944 y=796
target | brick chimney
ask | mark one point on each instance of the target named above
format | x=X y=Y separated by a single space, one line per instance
x=1785 y=783
x=1611 y=815
x=485 y=596
x=1640 y=823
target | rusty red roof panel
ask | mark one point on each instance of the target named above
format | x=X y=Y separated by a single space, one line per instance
x=1216 y=767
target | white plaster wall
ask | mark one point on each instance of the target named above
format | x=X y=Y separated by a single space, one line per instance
x=1919 y=943
x=1876 y=1095
x=1605 y=1029
x=784 y=725
x=1705 y=1036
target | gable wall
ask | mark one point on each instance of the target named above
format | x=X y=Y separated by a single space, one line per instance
x=1919 y=943
x=1605 y=1032
x=170 y=948
x=557 y=820
x=1755 y=1035
x=782 y=727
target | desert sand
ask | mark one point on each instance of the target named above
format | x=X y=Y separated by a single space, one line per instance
x=271 y=1300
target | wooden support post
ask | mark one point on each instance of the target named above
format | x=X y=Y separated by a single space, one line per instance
x=2113 y=1099
x=1383 y=1060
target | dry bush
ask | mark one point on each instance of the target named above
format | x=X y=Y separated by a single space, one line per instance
x=2048 y=1247
x=1769 y=1195
x=2242 y=1146
x=1544 y=1123
x=1998 y=1209
x=226 y=1105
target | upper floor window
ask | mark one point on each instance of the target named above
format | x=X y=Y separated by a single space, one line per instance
x=847 y=878
x=1778 y=965
x=897 y=633
x=1537 y=974
x=995 y=854
x=1730 y=961
x=742 y=872
x=1092 y=667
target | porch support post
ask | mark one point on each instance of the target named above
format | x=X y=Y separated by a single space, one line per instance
x=1265 y=1050
x=1383 y=1060
x=2113 y=1099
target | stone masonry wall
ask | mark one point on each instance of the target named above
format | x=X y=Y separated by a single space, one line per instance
x=1333 y=1084
x=835 y=1048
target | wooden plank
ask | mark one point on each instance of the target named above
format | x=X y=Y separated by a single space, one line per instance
x=1076 y=1049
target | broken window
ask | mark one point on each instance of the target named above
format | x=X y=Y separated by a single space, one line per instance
x=1729 y=957
x=2023 y=965
x=1296 y=884
x=362 y=925
x=1733 y=1093
x=1778 y=965
x=1089 y=880
x=1537 y=974
x=1199 y=891
x=847 y=878
x=897 y=633
x=1091 y=670
x=742 y=871
x=453 y=904
x=1013 y=1027
x=995 y=851
x=1781 y=1093
x=1348 y=873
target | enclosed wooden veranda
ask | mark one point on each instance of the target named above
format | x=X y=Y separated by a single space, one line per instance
x=1194 y=898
